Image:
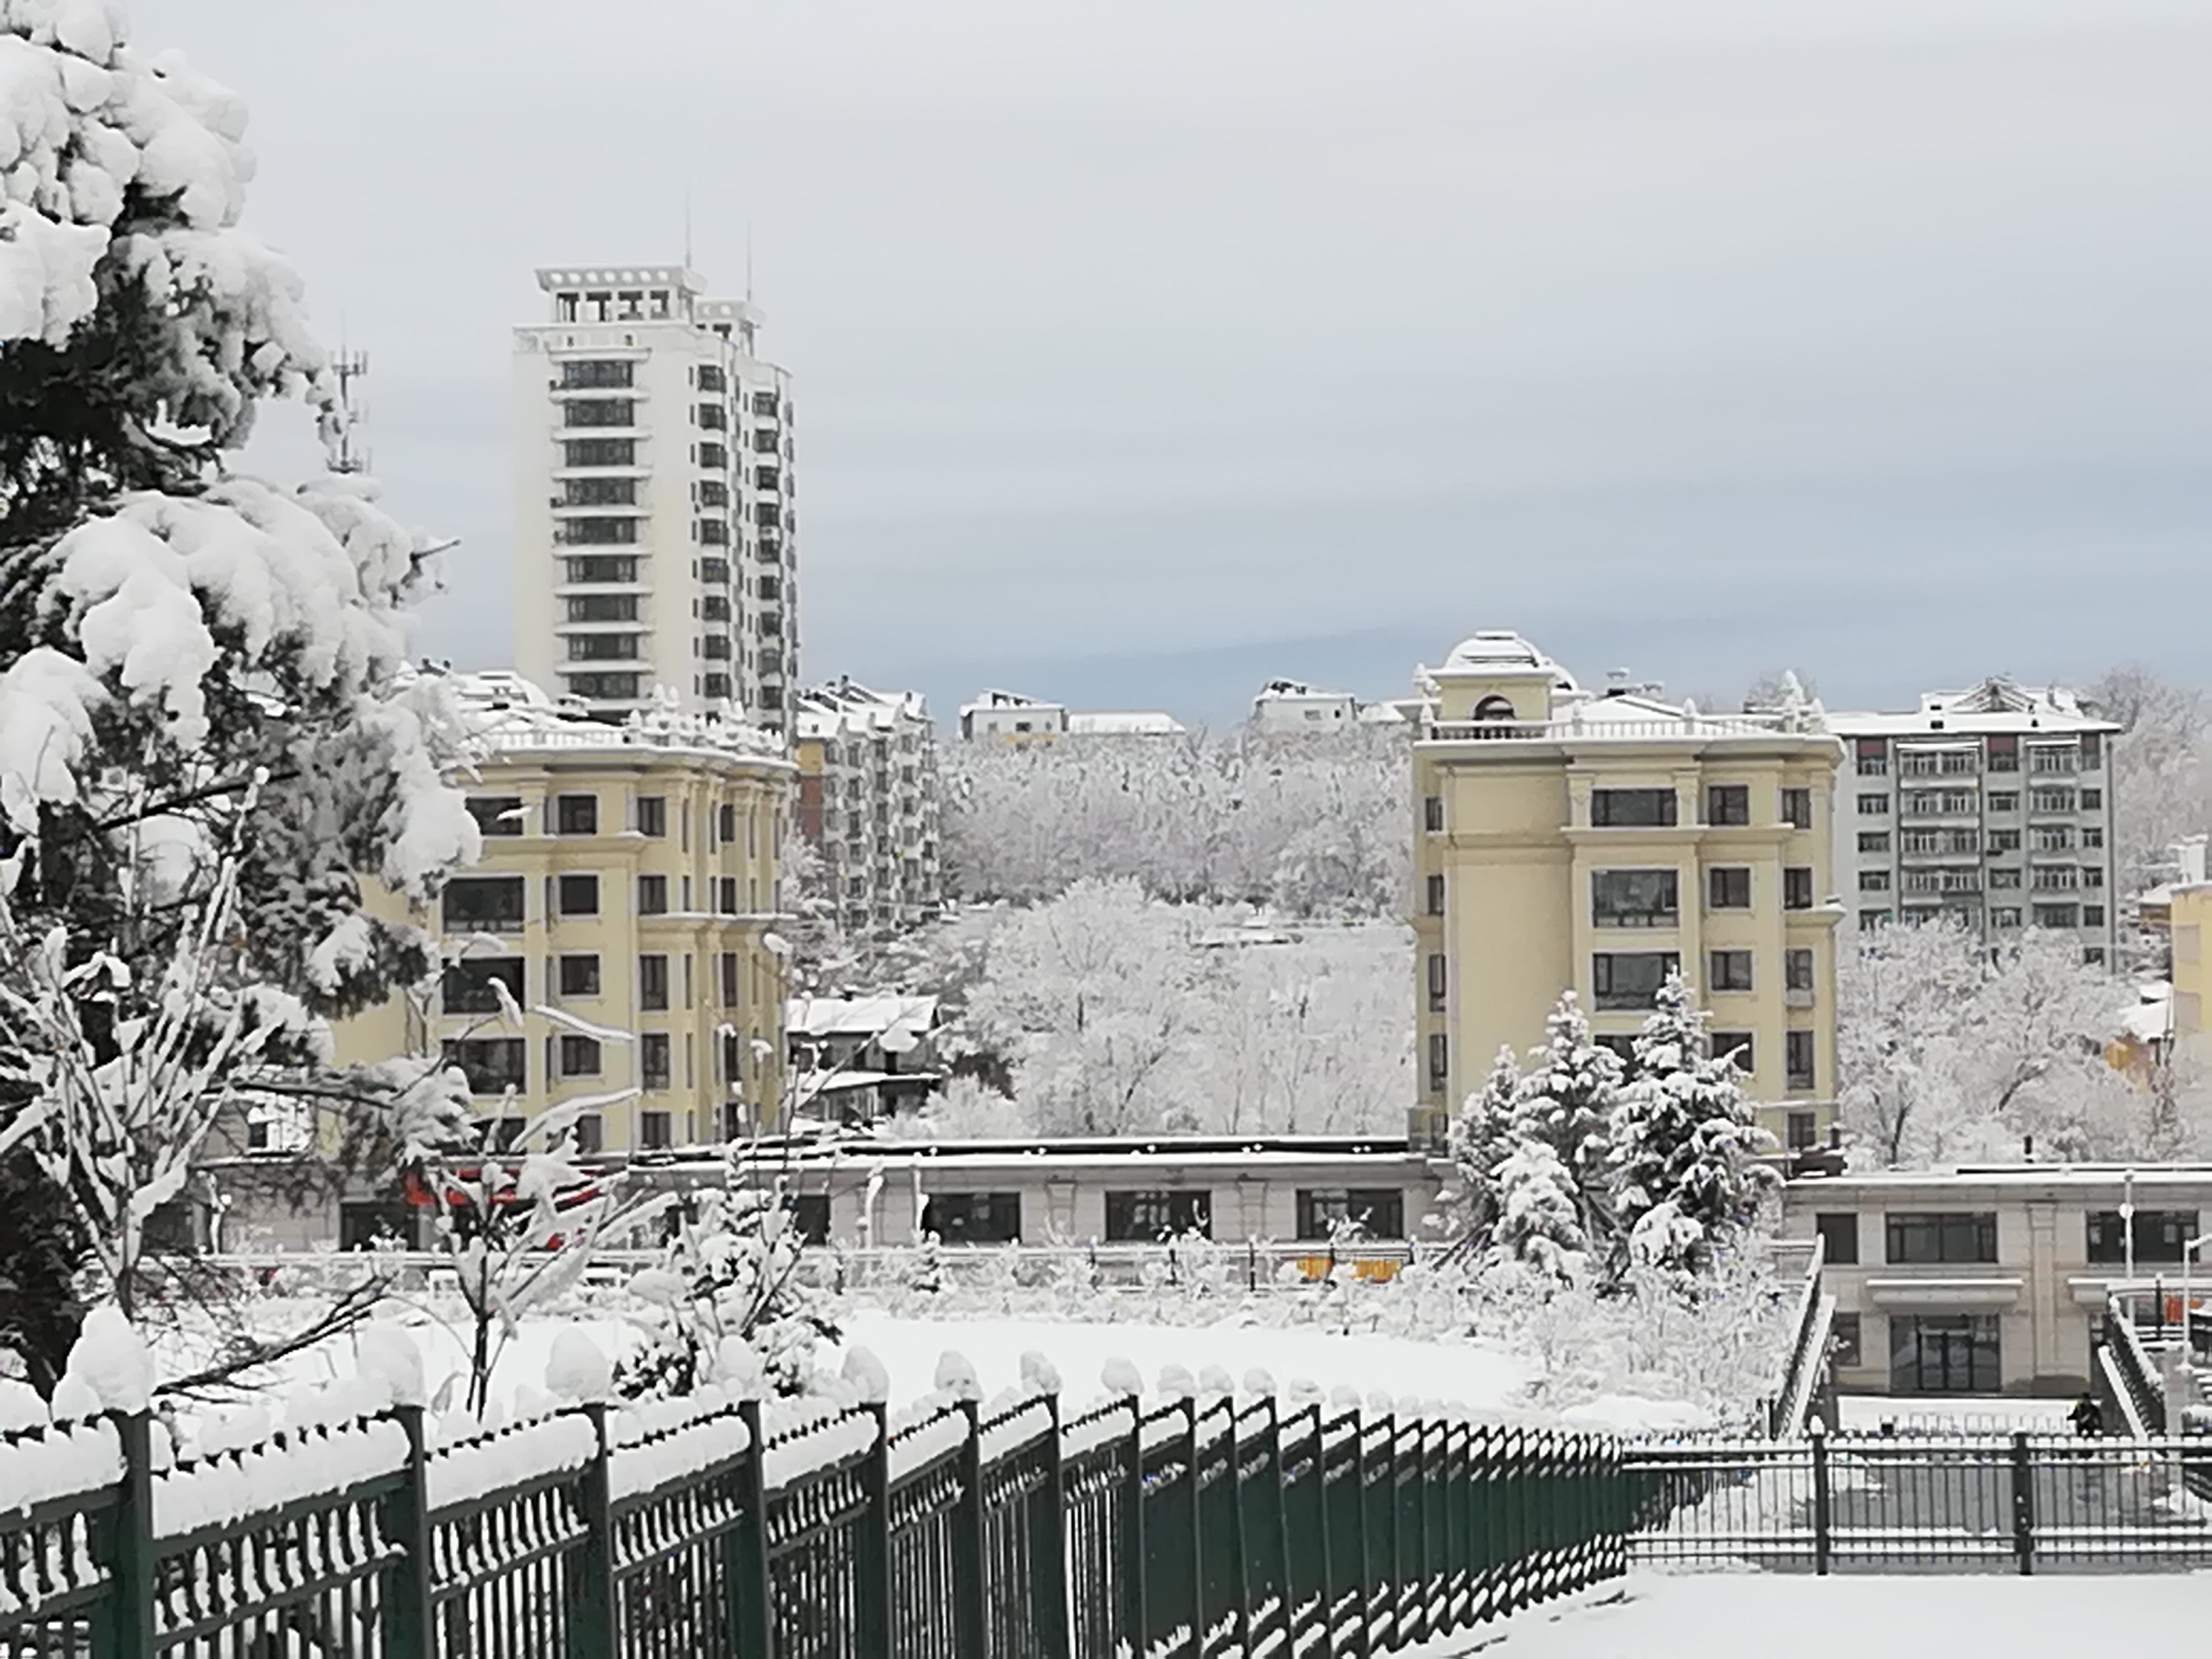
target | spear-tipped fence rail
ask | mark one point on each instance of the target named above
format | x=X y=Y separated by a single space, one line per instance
x=1184 y=1529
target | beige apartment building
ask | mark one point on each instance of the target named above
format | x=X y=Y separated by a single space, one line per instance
x=1595 y=841
x=625 y=899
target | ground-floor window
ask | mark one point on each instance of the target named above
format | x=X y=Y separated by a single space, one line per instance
x=1944 y=1354
x=974 y=1217
x=1146 y=1217
x=1370 y=1213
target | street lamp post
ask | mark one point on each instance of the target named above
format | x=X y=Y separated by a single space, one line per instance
x=2128 y=1235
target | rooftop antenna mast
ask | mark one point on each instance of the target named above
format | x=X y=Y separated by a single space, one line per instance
x=749 y=261
x=351 y=368
x=687 y=230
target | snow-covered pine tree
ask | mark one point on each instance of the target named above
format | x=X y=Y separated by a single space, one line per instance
x=206 y=725
x=1566 y=1100
x=1684 y=1141
x=1538 y=1218
x=1482 y=1138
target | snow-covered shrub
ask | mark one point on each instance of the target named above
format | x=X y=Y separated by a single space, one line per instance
x=728 y=1275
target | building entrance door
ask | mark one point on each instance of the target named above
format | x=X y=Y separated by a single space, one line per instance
x=1944 y=1354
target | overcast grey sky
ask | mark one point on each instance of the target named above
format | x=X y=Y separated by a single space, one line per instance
x=1146 y=348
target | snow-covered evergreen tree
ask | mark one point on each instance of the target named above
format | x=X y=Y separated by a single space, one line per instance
x=206 y=724
x=1540 y=1214
x=1684 y=1141
x=1566 y=1100
x=1482 y=1138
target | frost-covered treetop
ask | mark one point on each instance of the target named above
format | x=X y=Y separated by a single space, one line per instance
x=93 y=136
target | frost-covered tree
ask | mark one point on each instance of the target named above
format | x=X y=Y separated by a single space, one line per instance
x=206 y=728
x=1566 y=1100
x=2162 y=790
x=1947 y=1050
x=1482 y=1138
x=1540 y=1214
x=1684 y=1141
x=1093 y=999
x=1312 y=825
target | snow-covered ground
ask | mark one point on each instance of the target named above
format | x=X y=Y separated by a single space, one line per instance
x=1456 y=1373
x=1748 y=1616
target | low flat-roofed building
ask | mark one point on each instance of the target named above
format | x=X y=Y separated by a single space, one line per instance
x=1989 y=1280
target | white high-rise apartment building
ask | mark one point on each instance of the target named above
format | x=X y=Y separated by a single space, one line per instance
x=654 y=530
x=1993 y=805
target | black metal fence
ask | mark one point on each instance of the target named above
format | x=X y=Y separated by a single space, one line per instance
x=1183 y=1528
x=1857 y=1503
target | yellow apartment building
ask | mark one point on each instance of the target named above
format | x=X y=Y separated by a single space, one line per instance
x=1592 y=840
x=626 y=899
x=2189 y=920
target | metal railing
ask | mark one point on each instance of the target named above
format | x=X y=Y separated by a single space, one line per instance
x=1186 y=1528
x=1806 y=1374
x=2021 y=1501
x=2127 y=1374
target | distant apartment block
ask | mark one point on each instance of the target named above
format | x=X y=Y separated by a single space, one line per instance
x=1993 y=806
x=655 y=529
x=622 y=904
x=1597 y=841
x=1011 y=717
x=1287 y=707
x=869 y=801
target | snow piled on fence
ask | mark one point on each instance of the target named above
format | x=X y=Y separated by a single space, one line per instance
x=1462 y=1373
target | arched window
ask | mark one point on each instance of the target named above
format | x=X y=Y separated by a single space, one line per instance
x=1495 y=708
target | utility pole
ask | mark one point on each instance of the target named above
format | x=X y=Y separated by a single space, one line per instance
x=351 y=368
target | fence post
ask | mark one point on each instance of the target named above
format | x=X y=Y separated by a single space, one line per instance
x=744 y=1549
x=1197 y=1522
x=1821 y=1520
x=1416 y=1625
x=123 y=1626
x=872 y=1567
x=1135 y=1550
x=1240 y=1535
x=1048 y=1548
x=1279 y=1544
x=592 y=1615
x=1362 y=1544
x=2023 y=1504
x=968 y=1539
x=407 y=1630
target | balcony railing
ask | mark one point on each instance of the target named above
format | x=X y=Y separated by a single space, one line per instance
x=1578 y=726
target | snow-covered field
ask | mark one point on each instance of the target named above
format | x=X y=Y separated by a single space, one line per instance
x=1749 y=1616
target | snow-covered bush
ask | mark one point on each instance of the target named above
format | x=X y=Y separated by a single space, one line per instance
x=206 y=723
x=728 y=1274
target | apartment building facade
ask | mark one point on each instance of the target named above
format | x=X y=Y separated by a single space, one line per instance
x=870 y=799
x=625 y=904
x=1991 y=1280
x=1594 y=841
x=1992 y=806
x=655 y=527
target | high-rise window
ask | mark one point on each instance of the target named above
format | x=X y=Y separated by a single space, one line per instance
x=576 y=815
x=653 y=816
x=1631 y=808
x=580 y=974
x=600 y=411
x=1797 y=1060
x=497 y=815
x=653 y=896
x=1439 y=969
x=598 y=492
x=602 y=568
x=579 y=1056
x=599 y=452
x=654 y=1069
x=1727 y=804
x=578 y=894
x=1730 y=970
x=1728 y=887
x=1432 y=812
x=1797 y=808
x=1630 y=979
x=653 y=983
x=1797 y=970
x=1435 y=895
x=1797 y=888
x=589 y=372
x=1635 y=899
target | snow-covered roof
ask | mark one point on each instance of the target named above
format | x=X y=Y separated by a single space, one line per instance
x=1132 y=723
x=1275 y=691
x=1996 y=705
x=503 y=710
x=986 y=701
x=894 y=1021
x=859 y=706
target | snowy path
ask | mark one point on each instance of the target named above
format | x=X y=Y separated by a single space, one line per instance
x=1754 y=1616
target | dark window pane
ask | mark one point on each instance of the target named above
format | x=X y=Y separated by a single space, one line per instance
x=1840 y=1232
x=1627 y=808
